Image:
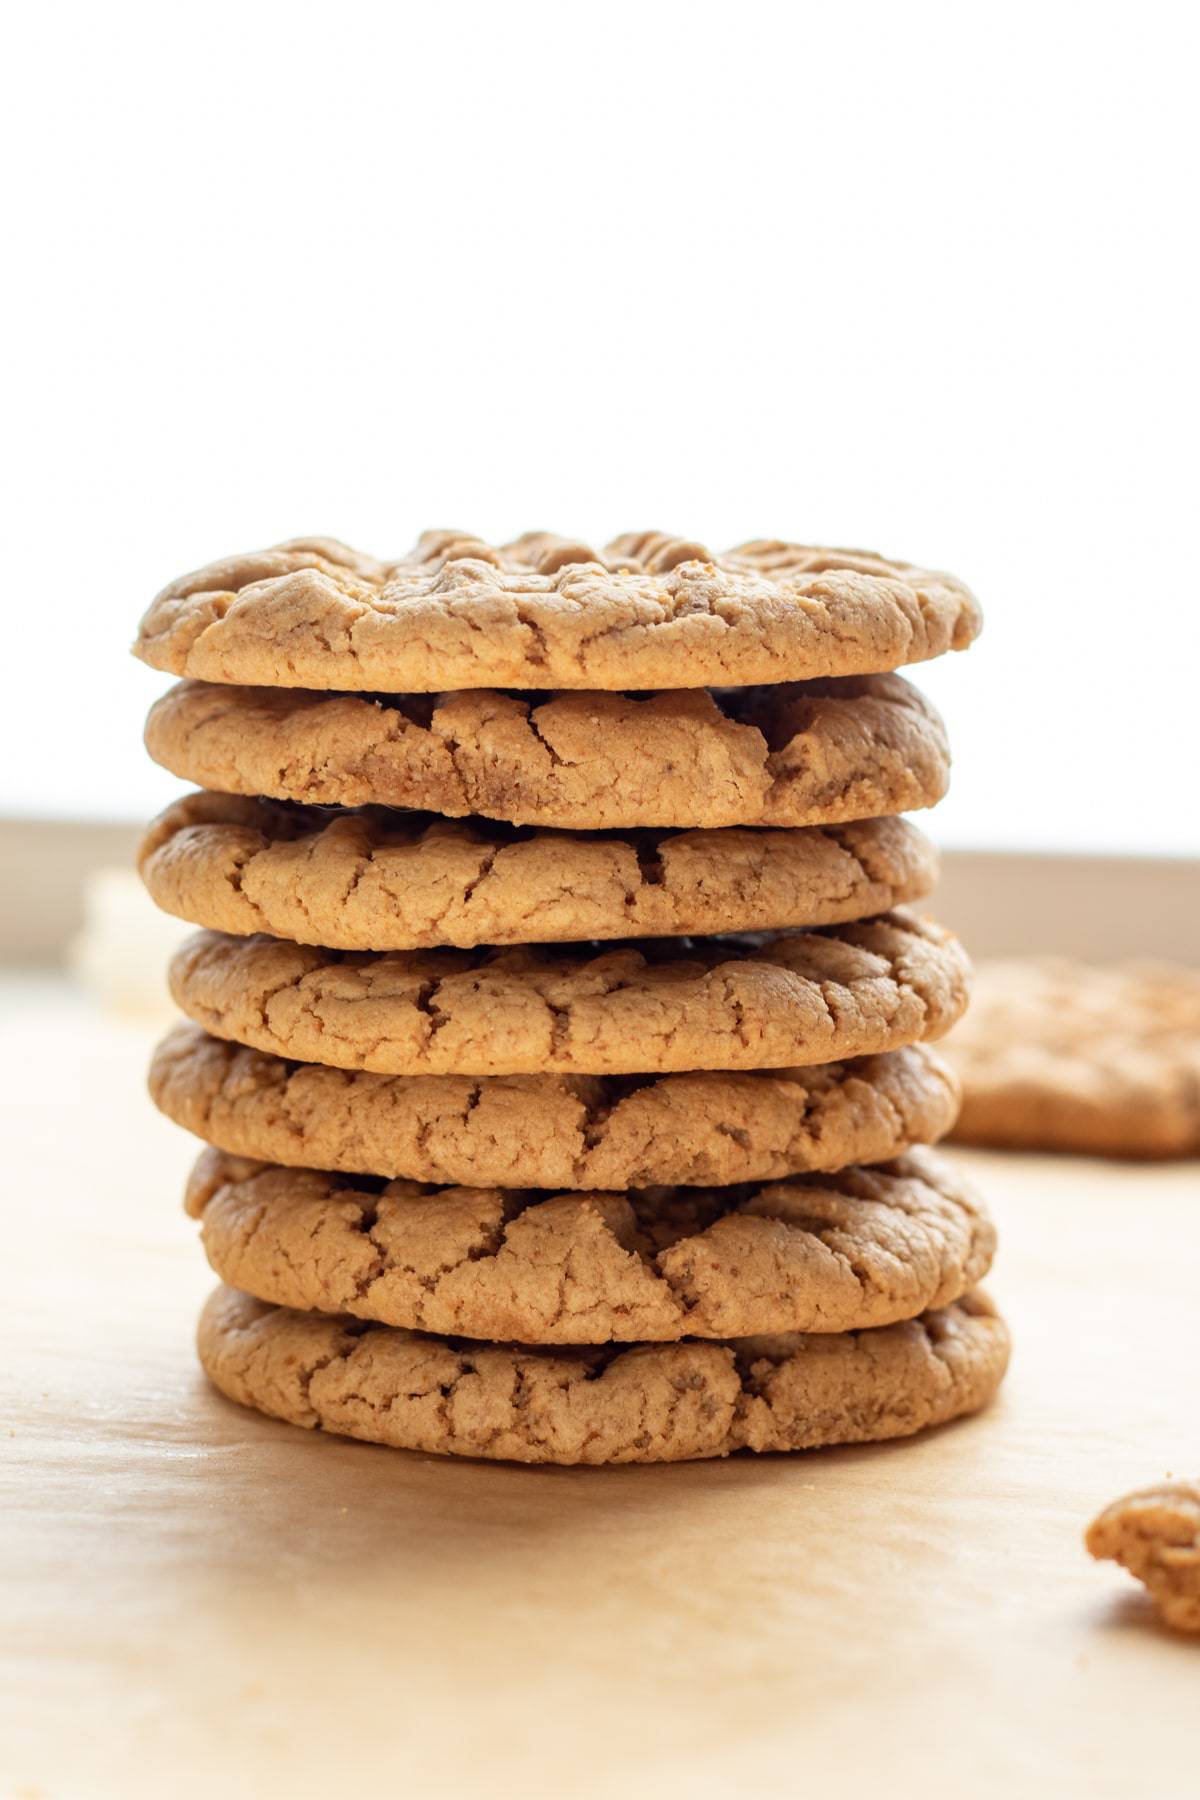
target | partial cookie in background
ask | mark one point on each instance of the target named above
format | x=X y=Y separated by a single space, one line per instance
x=548 y=1131
x=820 y=1253
x=1061 y=1055
x=649 y=1403
x=661 y=1006
x=819 y=753
x=1155 y=1534
x=381 y=880
x=546 y=611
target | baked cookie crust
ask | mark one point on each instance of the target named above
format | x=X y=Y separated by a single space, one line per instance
x=380 y=880
x=648 y=1403
x=821 y=1253
x=659 y=1007
x=546 y=611
x=819 y=753
x=553 y=1131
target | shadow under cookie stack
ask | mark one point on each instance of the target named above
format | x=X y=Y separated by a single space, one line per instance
x=558 y=1029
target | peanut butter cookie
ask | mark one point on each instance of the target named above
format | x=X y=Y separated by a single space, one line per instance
x=648 y=1403
x=820 y=753
x=1060 y=1055
x=548 y=1131
x=658 y=1007
x=546 y=611
x=820 y=1253
x=380 y=880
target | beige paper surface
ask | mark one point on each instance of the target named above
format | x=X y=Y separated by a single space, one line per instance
x=200 y=1602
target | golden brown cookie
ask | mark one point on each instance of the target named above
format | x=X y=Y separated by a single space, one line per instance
x=661 y=1006
x=648 y=1403
x=817 y=754
x=1155 y=1534
x=1060 y=1055
x=545 y=611
x=820 y=1253
x=549 y=1131
x=380 y=880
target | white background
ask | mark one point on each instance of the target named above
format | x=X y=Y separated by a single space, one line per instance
x=920 y=277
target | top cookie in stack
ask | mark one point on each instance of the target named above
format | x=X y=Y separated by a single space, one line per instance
x=651 y=612
x=433 y=792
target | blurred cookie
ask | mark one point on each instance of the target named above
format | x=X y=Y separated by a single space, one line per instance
x=819 y=753
x=544 y=611
x=1060 y=1055
x=648 y=1403
x=658 y=1007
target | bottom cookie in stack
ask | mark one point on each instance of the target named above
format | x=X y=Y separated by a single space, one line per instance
x=643 y=1326
x=640 y=1403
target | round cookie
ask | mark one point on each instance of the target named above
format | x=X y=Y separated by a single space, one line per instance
x=645 y=1404
x=546 y=611
x=381 y=880
x=818 y=754
x=1060 y=1055
x=551 y=1131
x=1155 y=1534
x=821 y=1253
x=661 y=1006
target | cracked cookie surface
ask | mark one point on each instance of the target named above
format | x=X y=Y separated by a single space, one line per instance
x=649 y=611
x=649 y=1403
x=820 y=753
x=1061 y=1055
x=661 y=1006
x=382 y=880
x=1155 y=1534
x=547 y=1131
x=820 y=1253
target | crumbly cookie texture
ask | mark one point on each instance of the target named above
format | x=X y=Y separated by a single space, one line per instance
x=819 y=753
x=821 y=1253
x=661 y=1006
x=546 y=611
x=1155 y=1534
x=648 y=1403
x=1061 y=1055
x=384 y=880
x=548 y=1131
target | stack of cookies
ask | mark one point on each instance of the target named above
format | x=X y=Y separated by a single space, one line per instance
x=558 y=1029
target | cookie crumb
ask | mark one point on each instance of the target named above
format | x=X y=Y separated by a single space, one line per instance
x=1155 y=1534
